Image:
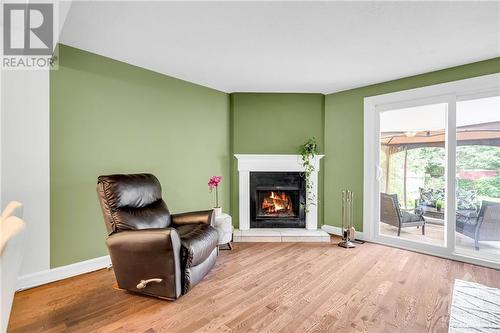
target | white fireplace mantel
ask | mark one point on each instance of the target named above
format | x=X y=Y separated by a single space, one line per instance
x=284 y=163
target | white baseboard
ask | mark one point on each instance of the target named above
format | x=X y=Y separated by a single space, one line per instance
x=59 y=273
x=338 y=231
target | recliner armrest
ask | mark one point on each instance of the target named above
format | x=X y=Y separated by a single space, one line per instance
x=147 y=254
x=203 y=216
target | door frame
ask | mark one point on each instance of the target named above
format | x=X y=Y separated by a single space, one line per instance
x=449 y=93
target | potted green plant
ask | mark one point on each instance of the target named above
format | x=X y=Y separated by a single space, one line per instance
x=439 y=205
x=308 y=152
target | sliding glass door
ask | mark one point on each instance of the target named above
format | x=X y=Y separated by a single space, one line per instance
x=412 y=182
x=478 y=177
x=432 y=170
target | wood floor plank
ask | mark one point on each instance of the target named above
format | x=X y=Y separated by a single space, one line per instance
x=266 y=287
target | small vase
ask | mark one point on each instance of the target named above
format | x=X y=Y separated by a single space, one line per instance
x=218 y=211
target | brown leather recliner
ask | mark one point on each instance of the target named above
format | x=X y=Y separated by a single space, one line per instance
x=152 y=251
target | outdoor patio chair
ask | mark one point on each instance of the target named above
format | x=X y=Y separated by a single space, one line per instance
x=486 y=227
x=392 y=214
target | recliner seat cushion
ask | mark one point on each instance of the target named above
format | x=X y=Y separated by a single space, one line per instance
x=197 y=242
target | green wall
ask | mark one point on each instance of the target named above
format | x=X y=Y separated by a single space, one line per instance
x=110 y=117
x=344 y=133
x=263 y=123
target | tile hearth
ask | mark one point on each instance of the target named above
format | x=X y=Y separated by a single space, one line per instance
x=281 y=235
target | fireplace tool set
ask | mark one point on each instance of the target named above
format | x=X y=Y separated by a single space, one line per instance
x=348 y=231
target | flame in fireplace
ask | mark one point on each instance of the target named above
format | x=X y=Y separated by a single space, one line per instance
x=276 y=202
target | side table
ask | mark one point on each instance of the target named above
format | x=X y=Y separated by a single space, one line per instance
x=224 y=225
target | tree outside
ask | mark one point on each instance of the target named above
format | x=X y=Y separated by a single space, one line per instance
x=478 y=173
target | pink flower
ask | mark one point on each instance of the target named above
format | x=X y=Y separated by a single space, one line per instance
x=214 y=182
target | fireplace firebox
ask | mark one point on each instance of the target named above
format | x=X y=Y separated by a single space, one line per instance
x=277 y=200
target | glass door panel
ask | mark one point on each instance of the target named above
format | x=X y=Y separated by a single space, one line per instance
x=412 y=173
x=478 y=178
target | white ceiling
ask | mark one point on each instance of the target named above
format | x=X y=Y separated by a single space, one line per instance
x=287 y=47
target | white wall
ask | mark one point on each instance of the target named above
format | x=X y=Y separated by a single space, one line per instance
x=24 y=148
x=25 y=158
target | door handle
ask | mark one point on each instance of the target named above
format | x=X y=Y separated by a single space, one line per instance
x=378 y=172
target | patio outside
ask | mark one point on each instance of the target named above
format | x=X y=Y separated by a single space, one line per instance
x=413 y=164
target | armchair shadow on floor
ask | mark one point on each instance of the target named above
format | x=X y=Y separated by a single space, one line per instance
x=152 y=251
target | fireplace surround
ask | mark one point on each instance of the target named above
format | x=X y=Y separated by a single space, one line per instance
x=306 y=231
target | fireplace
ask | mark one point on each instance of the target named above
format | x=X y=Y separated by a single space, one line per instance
x=260 y=174
x=277 y=200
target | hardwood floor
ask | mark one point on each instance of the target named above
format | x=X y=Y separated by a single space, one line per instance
x=266 y=287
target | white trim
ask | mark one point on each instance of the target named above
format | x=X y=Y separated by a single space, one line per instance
x=451 y=174
x=462 y=87
x=371 y=169
x=333 y=230
x=448 y=93
x=59 y=273
x=244 y=199
x=274 y=162
x=477 y=95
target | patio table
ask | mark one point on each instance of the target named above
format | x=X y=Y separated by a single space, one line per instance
x=436 y=217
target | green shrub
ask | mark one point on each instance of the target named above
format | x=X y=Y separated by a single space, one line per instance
x=489 y=187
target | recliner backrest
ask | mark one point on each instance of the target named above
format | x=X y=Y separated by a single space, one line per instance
x=132 y=202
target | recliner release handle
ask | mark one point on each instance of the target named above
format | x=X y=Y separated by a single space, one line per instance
x=144 y=283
